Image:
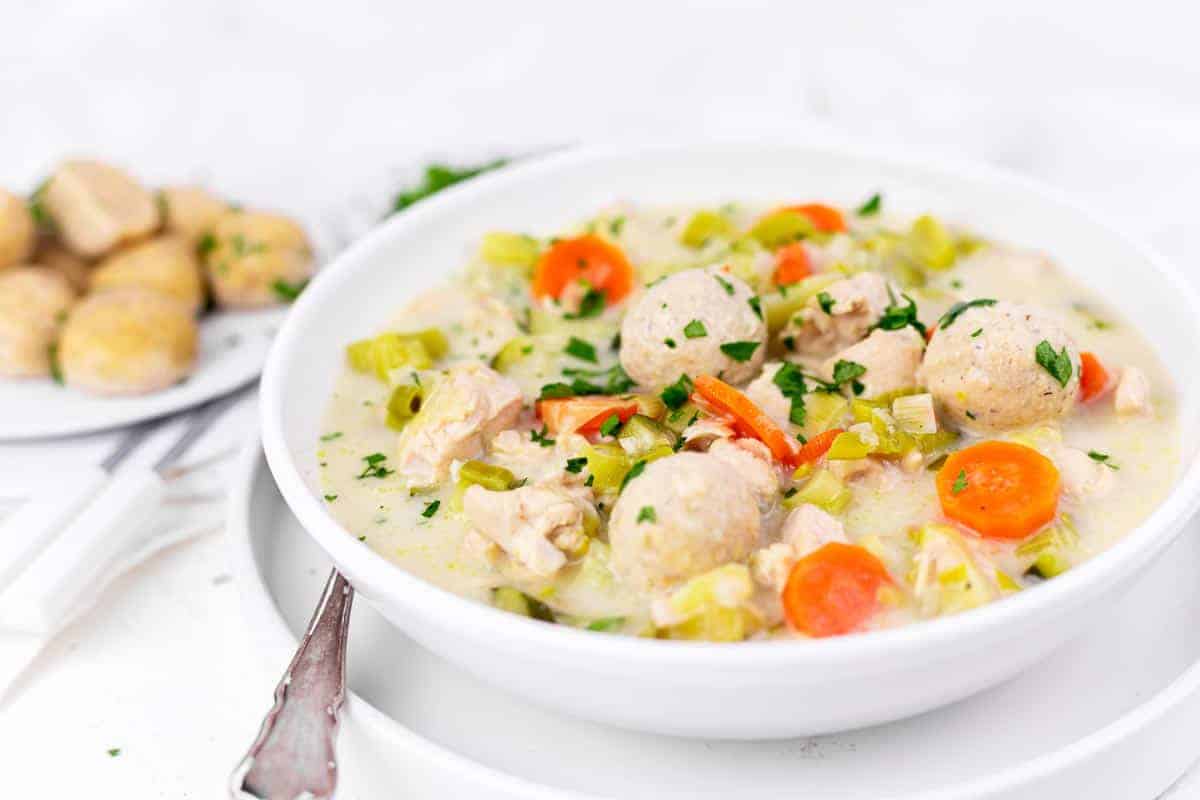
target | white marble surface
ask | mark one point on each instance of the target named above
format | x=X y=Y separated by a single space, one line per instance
x=317 y=109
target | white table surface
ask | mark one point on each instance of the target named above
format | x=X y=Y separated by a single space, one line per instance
x=316 y=109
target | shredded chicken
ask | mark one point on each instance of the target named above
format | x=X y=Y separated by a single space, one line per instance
x=535 y=525
x=858 y=303
x=1133 y=392
x=806 y=529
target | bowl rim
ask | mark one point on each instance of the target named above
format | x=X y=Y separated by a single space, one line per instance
x=866 y=649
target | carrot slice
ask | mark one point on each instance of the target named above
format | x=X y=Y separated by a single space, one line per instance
x=792 y=264
x=1093 y=378
x=582 y=414
x=584 y=258
x=833 y=590
x=817 y=446
x=1002 y=490
x=823 y=217
x=748 y=419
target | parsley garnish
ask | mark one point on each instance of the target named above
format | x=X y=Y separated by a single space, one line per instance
x=726 y=285
x=555 y=390
x=288 y=292
x=591 y=305
x=56 y=374
x=582 y=350
x=590 y=480
x=610 y=425
x=329 y=498
x=849 y=371
x=957 y=309
x=825 y=301
x=541 y=438
x=695 y=330
x=439 y=177
x=756 y=304
x=896 y=317
x=871 y=206
x=576 y=465
x=1102 y=458
x=1057 y=364
x=676 y=394
x=975 y=333
x=375 y=467
x=637 y=469
x=329 y=437
x=613 y=380
x=790 y=381
x=615 y=226
x=114 y=752
x=669 y=343
x=431 y=508
x=647 y=514
x=206 y=245
x=739 y=351
x=960 y=483
x=790 y=492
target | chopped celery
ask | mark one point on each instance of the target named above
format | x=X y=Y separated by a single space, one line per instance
x=714 y=606
x=403 y=405
x=640 y=434
x=847 y=447
x=514 y=351
x=650 y=405
x=823 y=410
x=657 y=452
x=824 y=490
x=515 y=601
x=914 y=414
x=704 y=226
x=478 y=473
x=680 y=418
x=931 y=243
x=934 y=442
x=779 y=307
x=510 y=250
x=388 y=351
x=1051 y=550
x=607 y=463
x=782 y=227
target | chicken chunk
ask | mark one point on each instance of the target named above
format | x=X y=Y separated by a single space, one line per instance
x=1133 y=392
x=97 y=207
x=33 y=302
x=466 y=408
x=805 y=529
x=1084 y=476
x=857 y=304
x=891 y=359
x=167 y=265
x=685 y=515
x=18 y=234
x=983 y=370
x=535 y=525
x=679 y=326
x=751 y=459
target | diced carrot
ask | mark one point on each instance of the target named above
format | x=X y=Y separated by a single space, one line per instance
x=792 y=264
x=833 y=590
x=817 y=446
x=1093 y=378
x=1001 y=490
x=748 y=419
x=824 y=218
x=584 y=258
x=583 y=415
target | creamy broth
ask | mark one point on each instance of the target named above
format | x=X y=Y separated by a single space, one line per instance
x=1114 y=467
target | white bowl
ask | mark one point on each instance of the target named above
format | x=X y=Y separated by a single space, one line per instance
x=753 y=689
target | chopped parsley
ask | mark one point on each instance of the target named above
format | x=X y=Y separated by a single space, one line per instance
x=970 y=414
x=677 y=393
x=637 y=469
x=288 y=292
x=739 y=351
x=849 y=372
x=584 y=351
x=615 y=226
x=541 y=438
x=825 y=301
x=1102 y=458
x=555 y=390
x=431 y=508
x=871 y=206
x=789 y=342
x=726 y=285
x=113 y=752
x=56 y=374
x=669 y=343
x=590 y=480
x=613 y=380
x=375 y=467
x=695 y=330
x=756 y=305
x=957 y=309
x=1057 y=364
x=329 y=437
x=438 y=177
x=206 y=245
x=896 y=316
x=975 y=333
x=592 y=305
x=610 y=425
x=790 y=492
x=329 y=498
x=790 y=381
x=647 y=514
x=576 y=465
x=960 y=483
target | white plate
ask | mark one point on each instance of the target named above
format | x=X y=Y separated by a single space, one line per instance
x=1111 y=715
x=233 y=347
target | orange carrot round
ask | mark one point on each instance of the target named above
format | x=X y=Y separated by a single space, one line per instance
x=584 y=258
x=817 y=446
x=1093 y=378
x=748 y=419
x=833 y=590
x=824 y=218
x=1001 y=490
x=792 y=264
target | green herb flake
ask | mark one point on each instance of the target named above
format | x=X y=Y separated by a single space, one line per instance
x=206 y=245
x=288 y=292
x=56 y=373
x=541 y=438
x=1102 y=458
x=555 y=390
x=647 y=514
x=896 y=316
x=637 y=469
x=375 y=467
x=329 y=498
x=825 y=301
x=677 y=393
x=613 y=380
x=976 y=333
x=960 y=483
x=1057 y=364
x=438 y=177
x=695 y=330
x=848 y=371
x=576 y=465
x=956 y=310
x=113 y=752
x=610 y=425
x=329 y=437
x=606 y=625
x=616 y=225
x=669 y=343
x=726 y=285
x=739 y=351
x=790 y=381
x=592 y=305
x=431 y=508
x=584 y=351
x=756 y=305
x=871 y=207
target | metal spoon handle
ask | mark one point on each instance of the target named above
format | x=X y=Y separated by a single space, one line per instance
x=293 y=755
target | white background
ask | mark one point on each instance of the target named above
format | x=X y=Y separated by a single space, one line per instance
x=320 y=109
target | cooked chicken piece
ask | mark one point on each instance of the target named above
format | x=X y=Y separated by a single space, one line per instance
x=191 y=211
x=1133 y=392
x=52 y=255
x=751 y=460
x=679 y=325
x=1084 y=476
x=535 y=525
x=983 y=369
x=97 y=207
x=257 y=259
x=703 y=432
x=767 y=396
x=18 y=233
x=857 y=304
x=479 y=549
x=890 y=357
x=167 y=265
x=686 y=514
x=128 y=341
x=33 y=303
x=805 y=529
x=517 y=451
x=467 y=407
x=772 y=565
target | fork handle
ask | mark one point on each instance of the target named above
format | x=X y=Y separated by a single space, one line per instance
x=294 y=754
